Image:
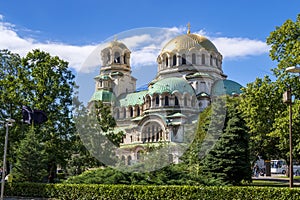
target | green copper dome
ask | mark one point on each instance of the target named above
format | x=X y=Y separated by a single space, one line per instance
x=131 y=99
x=228 y=87
x=103 y=95
x=171 y=85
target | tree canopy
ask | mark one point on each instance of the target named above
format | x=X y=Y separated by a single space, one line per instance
x=42 y=82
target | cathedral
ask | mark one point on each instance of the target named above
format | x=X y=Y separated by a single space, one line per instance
x=189 y=75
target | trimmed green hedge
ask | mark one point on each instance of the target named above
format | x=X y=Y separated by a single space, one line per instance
x=138 y=192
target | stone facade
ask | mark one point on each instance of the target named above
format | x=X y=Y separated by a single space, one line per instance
x=189 y=66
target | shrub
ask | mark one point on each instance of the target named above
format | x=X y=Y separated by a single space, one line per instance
x=139 y=192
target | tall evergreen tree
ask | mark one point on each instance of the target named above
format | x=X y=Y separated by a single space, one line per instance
x=229 y=160
x=31 y=165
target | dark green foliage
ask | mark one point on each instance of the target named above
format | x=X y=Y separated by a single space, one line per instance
x=261 y=104
x=107 y=123
x=50 y=88
x=96 y=141
x=139 y=192
x=13 y=80
x=170 y=175
x=41 y=82
x=31 y=165
x=285 y=44
x=229 y=160
x=81 y=158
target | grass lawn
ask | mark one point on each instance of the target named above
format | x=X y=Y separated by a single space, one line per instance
x=280 y=181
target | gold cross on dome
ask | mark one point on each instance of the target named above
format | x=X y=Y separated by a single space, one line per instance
x=189 y=28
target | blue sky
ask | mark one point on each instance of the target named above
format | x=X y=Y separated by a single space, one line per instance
x=73 y=29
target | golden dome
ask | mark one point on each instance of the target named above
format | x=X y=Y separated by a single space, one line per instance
x=116 y=43
x=187 y=42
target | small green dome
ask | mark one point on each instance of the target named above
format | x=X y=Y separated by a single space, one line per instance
x=171 y=85
x=228 y=87
x=103 y=95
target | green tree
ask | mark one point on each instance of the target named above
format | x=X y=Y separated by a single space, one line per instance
x=81 y=158
x=285 y=44
x=13 y=81
x=96 y=140
x=261 y=104
x=107 y=123
x=42 y=82
x=31 y=165
x=49 y=87
x=229 y=160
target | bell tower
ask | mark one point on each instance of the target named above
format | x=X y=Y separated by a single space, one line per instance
x=115 y=59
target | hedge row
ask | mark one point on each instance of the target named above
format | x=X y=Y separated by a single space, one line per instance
x=127 y=192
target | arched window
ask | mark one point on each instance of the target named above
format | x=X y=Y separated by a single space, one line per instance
x=108 y=58
x=193 y=58
x=117 y=113
x=131 y=111
x=153 y=133
x=139 y=155
x=203 y=59
x=167 y=61
x=176 y=101
x=211 y=60
x=125 y=60
x=117 y=57
x=174 y=60
x=157 y=100
x=149 y=134
x=183 y=59
x=123 y=159
x=129 y=160
x=148 y=102
x=166 y=100
x=157 y=133
x=138 y=111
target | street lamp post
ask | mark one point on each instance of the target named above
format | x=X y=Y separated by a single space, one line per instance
x=288 y=99
x=8 y=122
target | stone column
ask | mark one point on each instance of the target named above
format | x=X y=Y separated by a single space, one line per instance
x=161 y=101
x=127 y=112
x=134 y=111
x=172 y=100
x=178 y=60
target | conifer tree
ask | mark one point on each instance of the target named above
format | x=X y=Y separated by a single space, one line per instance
x=31 y=163
x=229 y=161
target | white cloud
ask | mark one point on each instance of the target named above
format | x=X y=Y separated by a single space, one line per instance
x=136 y=40
x=145 y=45
x=240 y=47
x=10 y=39
x=145 y=56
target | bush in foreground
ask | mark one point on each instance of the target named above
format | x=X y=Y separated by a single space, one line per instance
x=139 y=192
